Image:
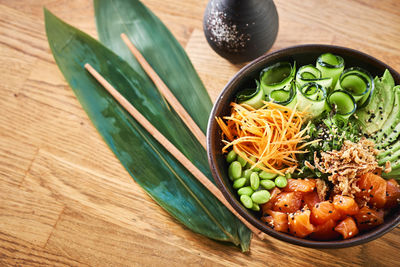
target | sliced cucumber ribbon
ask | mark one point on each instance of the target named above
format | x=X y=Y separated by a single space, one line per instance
x=277 y=76
x=358 y=82
x=253 y=97
x=310 y=73
x=284 y=97
x=342 y=103
x=331 y=66
x=311 y=97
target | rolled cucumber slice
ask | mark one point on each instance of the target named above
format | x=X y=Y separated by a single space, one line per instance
x=277 y=76
x=252 y=97
x=310 y=73
x=358 y=82
x=284 y=97
x=311 y=98
x=342 y=103
x=331 y=66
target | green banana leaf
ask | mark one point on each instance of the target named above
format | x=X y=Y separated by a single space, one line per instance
x=151 y=166
x=158 y=46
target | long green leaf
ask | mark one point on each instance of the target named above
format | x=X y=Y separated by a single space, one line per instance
x=158 y=46
x=157 y=172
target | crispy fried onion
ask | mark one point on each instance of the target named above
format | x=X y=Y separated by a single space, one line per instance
x=347 y=164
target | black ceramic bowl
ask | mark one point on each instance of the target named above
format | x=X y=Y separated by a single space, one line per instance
x=303 y=54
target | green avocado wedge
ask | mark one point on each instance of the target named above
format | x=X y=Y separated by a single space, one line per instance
x=373 y=116
x=393 y=120
x=150 y=165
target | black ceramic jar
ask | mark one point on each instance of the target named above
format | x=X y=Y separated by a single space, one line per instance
x=240 y=30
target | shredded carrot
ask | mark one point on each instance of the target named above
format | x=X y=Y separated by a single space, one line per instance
x=273 y=134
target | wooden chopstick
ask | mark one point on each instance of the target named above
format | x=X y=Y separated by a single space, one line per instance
x=164 y=90
x=170 y=147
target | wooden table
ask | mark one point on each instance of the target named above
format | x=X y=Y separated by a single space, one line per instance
x=64 y=197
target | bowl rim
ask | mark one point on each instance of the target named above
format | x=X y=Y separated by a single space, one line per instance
x=256 y=64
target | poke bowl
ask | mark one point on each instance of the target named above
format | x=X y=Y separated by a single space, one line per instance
x=250 y=76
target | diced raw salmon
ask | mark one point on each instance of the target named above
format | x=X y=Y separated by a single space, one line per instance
x=277 y=220
x=345 y=205
x=347 y=228
x=324 y=211
x=392 y=193
x=325 y=231
x=300 y=185
x=310 y=199
x=368 y=218
x=288 y=202
x=373 y=188
x=299 y=223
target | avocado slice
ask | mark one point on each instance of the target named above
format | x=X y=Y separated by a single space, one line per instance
x=392 y=157
x=391 y=128
x=374 y=115
x=389 y=150
x=395 y=173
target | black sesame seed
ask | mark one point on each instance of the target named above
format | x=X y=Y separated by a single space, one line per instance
x=371 y=195
x=285 y=205
x=372 y=187
x=369 y=213
x=330 y=211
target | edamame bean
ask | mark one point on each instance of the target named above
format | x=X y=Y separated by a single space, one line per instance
x=247 y=173
x=281 y=181
x=288 y=175
x=235 y=170
x=261 y=197
x=254 y=181
x=246 y=201
x=267 y=184
x=238 y=183
x=267 y=175
x=252 y=159
x=245 y=191
x=242 y=161
x=255 y=207
x=231 y=156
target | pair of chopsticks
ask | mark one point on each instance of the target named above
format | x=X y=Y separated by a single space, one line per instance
x=158 y=136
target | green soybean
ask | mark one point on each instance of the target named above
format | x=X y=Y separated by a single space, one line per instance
x=247 y=173
x=246 y=201
x=254 y=181
x=288 y=175
x=252 y=159
x=267 y=175
x=255 y=207
x=281 y=181
x=238 y=183
x=242 y=161
x=231 y=156
x=267 y=184
x=247 y=190
x=235 y=170
x=261 y=197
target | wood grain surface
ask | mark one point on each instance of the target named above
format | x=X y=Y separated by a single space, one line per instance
x=64 y=197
